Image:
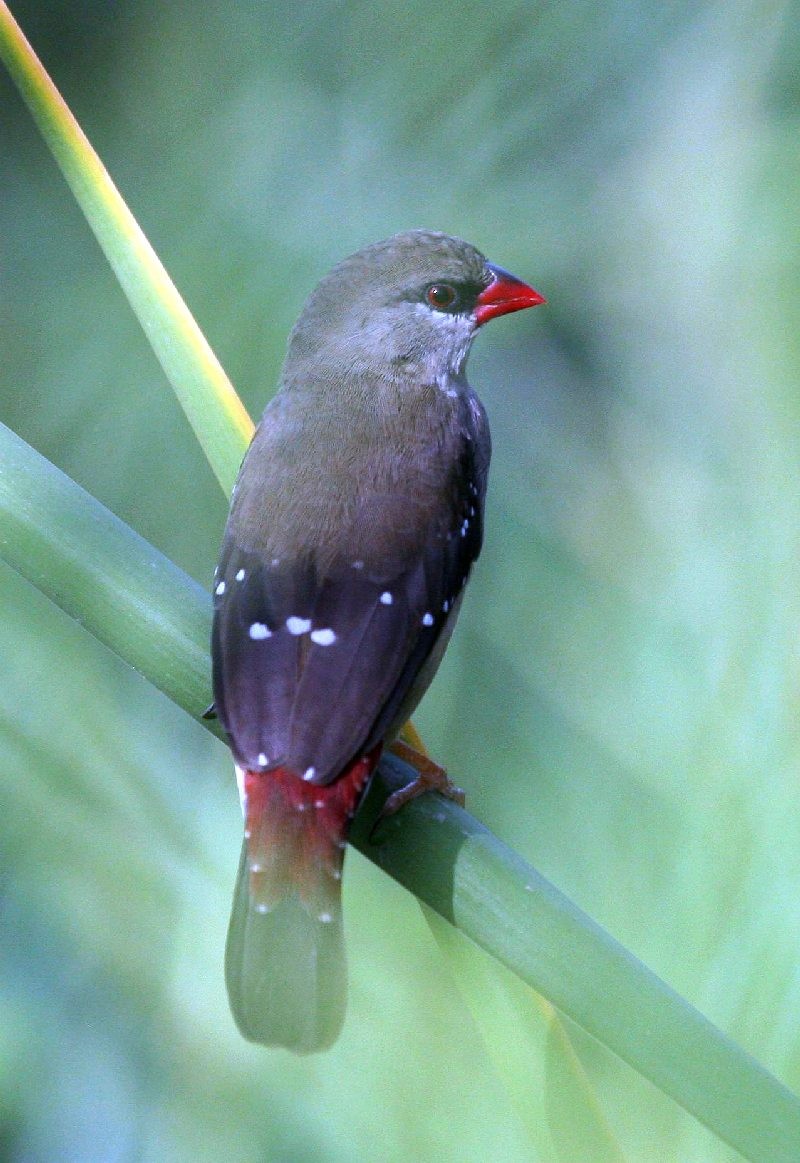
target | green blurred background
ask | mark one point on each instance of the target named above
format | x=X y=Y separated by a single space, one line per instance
x=620 y=699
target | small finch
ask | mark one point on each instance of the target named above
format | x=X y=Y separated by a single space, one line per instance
x=354 y=524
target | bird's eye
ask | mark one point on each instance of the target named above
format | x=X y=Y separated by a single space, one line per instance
x=441 y=296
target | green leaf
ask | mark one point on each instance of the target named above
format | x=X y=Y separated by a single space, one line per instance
x=531 y=1049
x=206 y=395
x=148 y=612
x=103 y=574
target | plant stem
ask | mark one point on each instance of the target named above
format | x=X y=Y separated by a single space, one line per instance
x=148 y=612
x=205 y=393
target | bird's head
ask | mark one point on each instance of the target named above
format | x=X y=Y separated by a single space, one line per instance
x=406 y=308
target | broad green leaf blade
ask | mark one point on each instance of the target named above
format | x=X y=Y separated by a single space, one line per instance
x=103 y=574
x=148 y=612
x=206 y=395
x=532 y=1052
x=452 y=862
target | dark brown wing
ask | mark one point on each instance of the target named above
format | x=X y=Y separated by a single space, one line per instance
x=313 y=664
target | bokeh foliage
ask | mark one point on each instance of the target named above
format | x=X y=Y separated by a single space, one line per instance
x=620 y=697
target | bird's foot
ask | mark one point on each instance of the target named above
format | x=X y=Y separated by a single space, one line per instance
x=430 y=777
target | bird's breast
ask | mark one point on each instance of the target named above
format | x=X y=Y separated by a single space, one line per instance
x=368 y=484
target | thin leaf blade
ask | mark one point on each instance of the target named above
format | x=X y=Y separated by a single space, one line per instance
x=204 y=391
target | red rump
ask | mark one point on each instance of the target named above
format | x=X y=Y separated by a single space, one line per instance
x=296 y=833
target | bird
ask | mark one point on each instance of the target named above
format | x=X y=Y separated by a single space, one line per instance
x=354 y=523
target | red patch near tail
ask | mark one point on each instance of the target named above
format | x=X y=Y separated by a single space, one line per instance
x=297 y=831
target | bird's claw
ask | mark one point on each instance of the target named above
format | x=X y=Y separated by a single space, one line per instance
x=430 y=777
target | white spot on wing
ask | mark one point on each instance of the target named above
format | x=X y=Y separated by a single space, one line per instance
x=262 y=759
x=358 y=565
x=323 y=637
x=258 y=631
x=386 y=598
x=240 y=575
x=220 y=590
x=427 y=619
x=309 y=773
x=297 y=625
x=326 y=918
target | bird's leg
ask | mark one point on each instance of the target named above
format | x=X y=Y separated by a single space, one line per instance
x=430 y=777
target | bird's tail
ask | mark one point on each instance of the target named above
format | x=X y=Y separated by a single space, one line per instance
x=285 y=962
